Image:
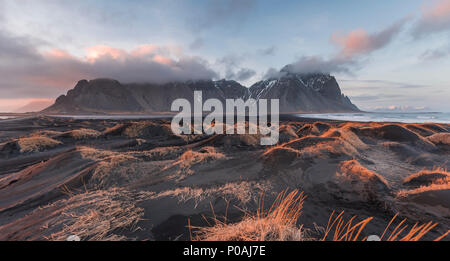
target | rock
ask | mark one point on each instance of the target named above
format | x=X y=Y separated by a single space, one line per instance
x=296 y=92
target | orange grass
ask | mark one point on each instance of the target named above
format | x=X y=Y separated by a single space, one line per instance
x=279 y=223
x=276 y=224
x=345 y=231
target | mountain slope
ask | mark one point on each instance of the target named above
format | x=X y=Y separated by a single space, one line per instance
x=109 y=96
x=304 y=93
x=296 y=92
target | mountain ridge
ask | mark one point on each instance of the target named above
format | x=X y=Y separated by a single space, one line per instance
x=298 y=93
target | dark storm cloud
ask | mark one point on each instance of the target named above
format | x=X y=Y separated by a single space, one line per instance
x=17 y=48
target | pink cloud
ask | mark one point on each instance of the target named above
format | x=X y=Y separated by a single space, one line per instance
x=34 y=73
x=354 y=43
x=360 y=42
x=57 y=54
x=145 y=50
x=441 y=10
x=99 y=51
x=434 y=18
x=163 y=60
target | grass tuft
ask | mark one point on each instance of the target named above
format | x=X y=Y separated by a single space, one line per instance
x=276 y=224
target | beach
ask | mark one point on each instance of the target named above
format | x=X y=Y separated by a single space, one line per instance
x=119 y=178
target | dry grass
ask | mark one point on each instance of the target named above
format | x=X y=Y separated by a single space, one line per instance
x=423 y=189
x=96 y=216
x=48 y=133
x=243 y=191
x=36 y=143
x=276 y=224
x=113 y=168
x=190 y=158
x=340 y=230
x=82 y=134
x=316 y=147
x=279 y=223
x=440 y=138
x=437 y=175
x=114 y=171
x=147 y=129
x=344 y=231
x=426 y=180
x=346 y=135
x=353 y=170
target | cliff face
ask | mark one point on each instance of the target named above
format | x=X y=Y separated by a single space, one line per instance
x=304 y=93
x=297 y=93
x=109 y=96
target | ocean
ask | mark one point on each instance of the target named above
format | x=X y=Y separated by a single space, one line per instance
x=420 y=117
x=411 y=117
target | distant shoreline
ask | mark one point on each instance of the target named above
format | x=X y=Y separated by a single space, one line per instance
x=386 y=117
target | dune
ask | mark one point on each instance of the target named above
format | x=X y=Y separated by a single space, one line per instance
x=440 y=138
x=36 y=144
x=432 y=195
x=44 y=181
x=427 y=178
x=98 y=215
x=66 y=172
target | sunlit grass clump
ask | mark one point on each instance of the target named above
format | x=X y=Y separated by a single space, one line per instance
x=36 y=143
x=280 y=223
x=276 y=224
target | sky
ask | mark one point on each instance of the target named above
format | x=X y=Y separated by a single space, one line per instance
x=384 y=54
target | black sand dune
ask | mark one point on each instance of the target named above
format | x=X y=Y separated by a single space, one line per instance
x=136 y=180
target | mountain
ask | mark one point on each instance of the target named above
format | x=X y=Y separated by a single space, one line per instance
x=297 y=93
x=110 y=96
x=33 y=106
x=303 y=92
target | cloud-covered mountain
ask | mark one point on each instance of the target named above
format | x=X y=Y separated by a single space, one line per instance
x=303 y=92
x=297 y=93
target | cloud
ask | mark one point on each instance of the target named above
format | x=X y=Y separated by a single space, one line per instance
x=434 y=18
x=272 y=73
x=233 y=69
x=353 y=47
x=435 y=54
x=242 y=74
x=197 y=43
x=27 y=72
x=360 y=42
x=317 y=64
x=231 y=60
x=380 y=84
x=375 y=97
x=221 y=12
x=400 y=108
x=267 y=51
